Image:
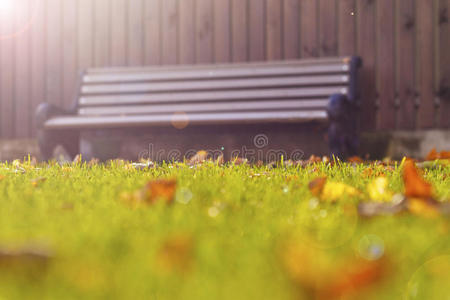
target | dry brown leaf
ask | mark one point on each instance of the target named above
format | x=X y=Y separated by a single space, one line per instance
x=316 y=186
x=163 y=189
x=415 y=185
x=433 y=155
x=355 y=159
x=177 y=254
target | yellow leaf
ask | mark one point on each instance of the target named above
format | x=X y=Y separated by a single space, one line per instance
x=378 y=191
x=420 y=207
x=332 y=191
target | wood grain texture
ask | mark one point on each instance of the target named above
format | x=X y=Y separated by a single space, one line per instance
x=425 y=62
x=119 y=41
x=204 y=31
x=54 y=52
x=169 y=29
x=69 y=52
x=346 y=24
x=135 y=34
x=187 y=29
x=152 y=32
x=309 y=28
x=102 y=33
x=86 y=35
x=22 y=113
x=291 y=29
x=405 y=64
x=385 y=48
x=222 y=31
x=239 y=33
x=257 y=30
x=444 y=62
x=366 y=48
x=274 y=41
x=38 y=59
x=327 y=28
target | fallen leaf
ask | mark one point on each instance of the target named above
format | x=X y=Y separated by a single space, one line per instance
x=30 y=262
x=355 y=159
x=424 y=207
x=316 y=186
x=239 y=161
x=198 y=158
x=415 y=185
x=433 y=155
x=332 y=191
x=161 y=189
x=177 y=254
x=378 y=191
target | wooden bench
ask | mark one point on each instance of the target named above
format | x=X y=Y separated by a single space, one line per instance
x=296 y=91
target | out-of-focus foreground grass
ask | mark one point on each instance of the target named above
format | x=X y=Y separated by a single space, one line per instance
x=231 y=232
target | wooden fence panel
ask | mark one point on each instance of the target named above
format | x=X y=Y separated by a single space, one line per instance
x=22 y=118
x=424 y=59
x=444 y=62
x=204 y=31
x=152 y=32
x=291 y=29
x=102 y=33
x=274 y=40
x=327 y=28
x=385 y=47
x=38 y=59
x=257 y=27
x=346 y=24
x=135 y=36
x=309 y=29
x=366 y=48
x=405 y=80
x=405 y=64
x=169 y=30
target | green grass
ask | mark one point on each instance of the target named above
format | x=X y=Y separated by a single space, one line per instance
x=237 y=219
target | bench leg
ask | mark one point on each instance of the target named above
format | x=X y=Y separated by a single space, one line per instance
x=48 y=140
x=342 y=135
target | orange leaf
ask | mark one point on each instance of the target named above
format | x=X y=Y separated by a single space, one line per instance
x=415 y=185
x=316 y=186
x=177 y=253
x=161 y=189
x=355 y=159
x=199 y=157
x=433 y=155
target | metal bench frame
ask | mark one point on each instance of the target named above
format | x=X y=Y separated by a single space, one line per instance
x=57 y=126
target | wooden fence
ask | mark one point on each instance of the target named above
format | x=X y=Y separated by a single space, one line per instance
x=405 y=46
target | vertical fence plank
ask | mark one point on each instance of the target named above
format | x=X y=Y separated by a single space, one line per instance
x=346 y=15
x=187 y=31
x=102 y=10
x=366 y=48
x=239 y=41
x=386 y=63
x=22 y=113
x=118 y=32
x=274 y=31
x=204 y=31
x=152 y=32
x=135 y=33
x=327 y=28
x=291 y=29
x=38 y=70
x=85 y=35
x=257 y=30
x=54 y=52
x=444 y=62
x=169 y=31
x=308 y=29
x=424 y=14
x=405 y=64
x=222 y=31
x=70 y=61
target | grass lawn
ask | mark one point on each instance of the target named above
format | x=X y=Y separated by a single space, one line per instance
x=81 y=231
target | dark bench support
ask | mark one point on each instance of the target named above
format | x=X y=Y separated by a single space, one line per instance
x=48 y=140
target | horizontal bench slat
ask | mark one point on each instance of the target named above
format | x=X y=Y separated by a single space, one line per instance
x=215 y=73
x=263 y=64
x=193 y=119
x=206 y=107
x=208 y=96
x=215 y=84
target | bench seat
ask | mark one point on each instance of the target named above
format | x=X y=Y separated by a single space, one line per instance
x=298 y=91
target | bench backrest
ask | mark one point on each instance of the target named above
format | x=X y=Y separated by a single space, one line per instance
x=266 y=86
